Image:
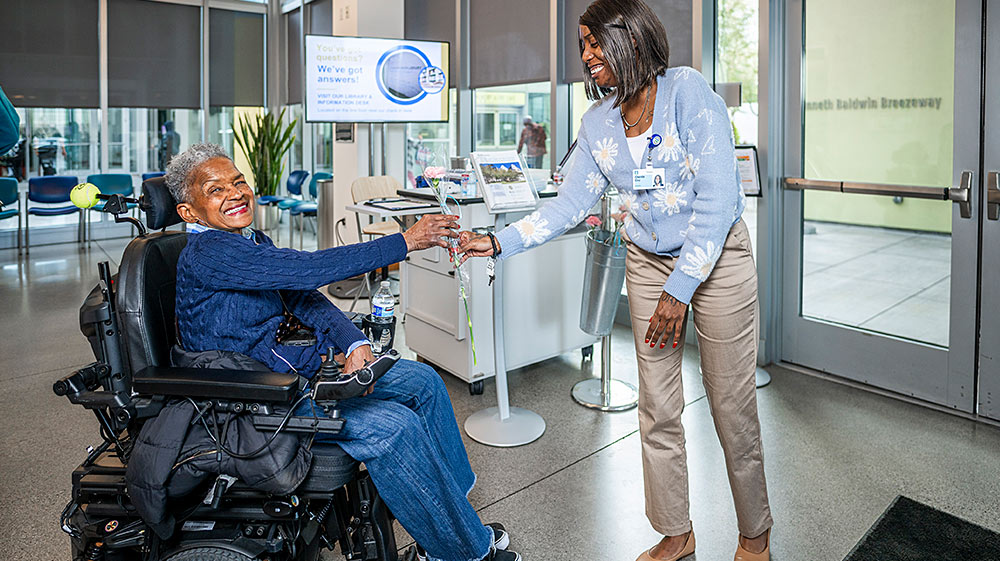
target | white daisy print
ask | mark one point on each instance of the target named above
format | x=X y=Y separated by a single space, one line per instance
x=596 y=182
x=533 y=229
x=689 y=167
x=670 y=199
x=699 y=263
x=683 y=73
x=709 y=147
x=670 y=148
x=628 y=203
x=607 y=150
x=576 y=219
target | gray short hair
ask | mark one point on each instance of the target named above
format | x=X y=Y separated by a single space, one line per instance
x=181 y=169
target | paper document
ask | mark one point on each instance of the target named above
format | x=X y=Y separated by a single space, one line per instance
x=503 y=182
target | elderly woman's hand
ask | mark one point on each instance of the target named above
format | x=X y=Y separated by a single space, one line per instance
x=361 y=357
x=431 y=230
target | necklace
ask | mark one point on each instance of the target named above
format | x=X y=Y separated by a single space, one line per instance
x=644 y=104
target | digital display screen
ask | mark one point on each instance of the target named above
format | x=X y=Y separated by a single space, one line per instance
x=367 y=80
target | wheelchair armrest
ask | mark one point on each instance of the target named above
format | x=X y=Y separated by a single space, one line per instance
x=213 y=383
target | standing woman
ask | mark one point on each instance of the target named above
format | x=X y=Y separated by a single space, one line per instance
x=686 y=245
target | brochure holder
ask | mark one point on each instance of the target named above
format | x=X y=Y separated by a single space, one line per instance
x=503 y=181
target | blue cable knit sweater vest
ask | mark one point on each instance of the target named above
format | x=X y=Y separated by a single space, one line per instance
x=227 y=294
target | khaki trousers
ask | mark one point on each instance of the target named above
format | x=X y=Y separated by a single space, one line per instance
x=727 y=323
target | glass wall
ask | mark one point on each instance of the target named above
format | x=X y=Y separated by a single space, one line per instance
x=737 y=33
x=515 y=117
x=431 y=143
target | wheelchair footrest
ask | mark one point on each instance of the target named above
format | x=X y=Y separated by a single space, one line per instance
x=299 y=424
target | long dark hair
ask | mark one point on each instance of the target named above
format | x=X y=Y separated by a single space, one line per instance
x=614 y=24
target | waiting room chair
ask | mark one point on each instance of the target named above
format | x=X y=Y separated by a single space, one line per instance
x=366 y=189
x=110 y=184
x=50 y=189
x=9 y=196
x=306 y=209
x=296 y=180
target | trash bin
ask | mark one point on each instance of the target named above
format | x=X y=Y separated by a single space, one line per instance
x=326 y=221
x=604 y=273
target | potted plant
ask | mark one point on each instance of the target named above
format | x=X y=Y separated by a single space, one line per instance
x=264 y=141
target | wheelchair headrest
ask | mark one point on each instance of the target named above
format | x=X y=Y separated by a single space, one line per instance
x=158 y=204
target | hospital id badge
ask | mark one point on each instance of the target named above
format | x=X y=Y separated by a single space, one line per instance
x=648 y=178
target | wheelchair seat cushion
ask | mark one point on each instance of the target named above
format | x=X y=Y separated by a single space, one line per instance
x=331 y=468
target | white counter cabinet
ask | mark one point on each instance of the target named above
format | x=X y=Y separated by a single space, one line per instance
x=542 y=292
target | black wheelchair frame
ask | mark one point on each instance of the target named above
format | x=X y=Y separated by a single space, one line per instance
x=130 y=382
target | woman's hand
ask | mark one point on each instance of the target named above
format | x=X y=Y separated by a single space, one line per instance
x=668 y=318
x=471 y=244
x=361 y=357
x=431 y=230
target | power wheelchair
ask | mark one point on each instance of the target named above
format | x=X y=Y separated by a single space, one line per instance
x=129 y=321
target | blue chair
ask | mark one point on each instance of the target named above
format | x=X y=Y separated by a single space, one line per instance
x=8 y=196
x=110 y=184
x=152 y=174
x=294 y=187
x=296 y=180
x=49 y=189
x=306 y=209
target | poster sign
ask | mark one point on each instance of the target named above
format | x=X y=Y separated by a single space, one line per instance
x=746 y=163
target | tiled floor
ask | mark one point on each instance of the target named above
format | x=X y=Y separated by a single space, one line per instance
x=888 y=281
x=835 y=456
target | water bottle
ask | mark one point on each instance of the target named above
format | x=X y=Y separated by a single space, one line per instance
x=383 y=306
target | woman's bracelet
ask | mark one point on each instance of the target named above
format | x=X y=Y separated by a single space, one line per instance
x=493 y=242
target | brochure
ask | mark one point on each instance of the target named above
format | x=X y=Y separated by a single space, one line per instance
x=503 y=182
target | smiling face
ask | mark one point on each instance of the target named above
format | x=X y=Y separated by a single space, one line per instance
x=219 y=197
x=593 y=59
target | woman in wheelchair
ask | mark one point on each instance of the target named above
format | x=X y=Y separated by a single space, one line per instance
x=234 y=290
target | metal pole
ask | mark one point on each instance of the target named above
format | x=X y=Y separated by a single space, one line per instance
x=606 y=393
x=371 y=149
x=382 y=169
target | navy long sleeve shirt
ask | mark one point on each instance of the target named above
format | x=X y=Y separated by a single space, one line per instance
x=228 y=295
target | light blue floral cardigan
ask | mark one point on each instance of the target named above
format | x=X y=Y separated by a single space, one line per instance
x=689 y=217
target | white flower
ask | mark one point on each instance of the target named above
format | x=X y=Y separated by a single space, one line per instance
x=605 y=154
x=596 y=183
x=684 y=72
x=670 y=149
x=533 y=229
x=628 y=203
x=709 y=147
x=670 y=199
x=689 y=167
x=576 y=219
x=699 y=263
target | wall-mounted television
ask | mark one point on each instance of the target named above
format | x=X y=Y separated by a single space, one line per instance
x=369 y=80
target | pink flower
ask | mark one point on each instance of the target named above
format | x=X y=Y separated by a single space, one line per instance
x=434 y=172
x=593 y=221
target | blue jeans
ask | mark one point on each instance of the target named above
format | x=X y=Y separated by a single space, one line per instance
x=406 y=434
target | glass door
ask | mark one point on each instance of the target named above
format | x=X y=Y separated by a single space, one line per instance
x=989 y=340
x=882 y=179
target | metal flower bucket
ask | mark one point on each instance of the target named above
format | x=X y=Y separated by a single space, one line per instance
x=603 y=276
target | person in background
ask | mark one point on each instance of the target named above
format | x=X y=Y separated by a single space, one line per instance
x=170 y=144
x=533 y=136
x=686 y=244
x=9 y=124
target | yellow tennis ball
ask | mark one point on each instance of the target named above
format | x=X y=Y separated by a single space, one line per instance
x=84 y=195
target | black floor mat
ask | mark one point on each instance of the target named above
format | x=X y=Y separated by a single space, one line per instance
x=911 y=531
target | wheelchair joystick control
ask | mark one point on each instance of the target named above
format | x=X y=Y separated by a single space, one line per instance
x=334 y=385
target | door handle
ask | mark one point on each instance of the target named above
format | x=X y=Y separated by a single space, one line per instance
x=993 y=195
x=962 y=195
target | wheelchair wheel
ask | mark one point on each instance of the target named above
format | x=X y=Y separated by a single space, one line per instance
x=207 y=554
